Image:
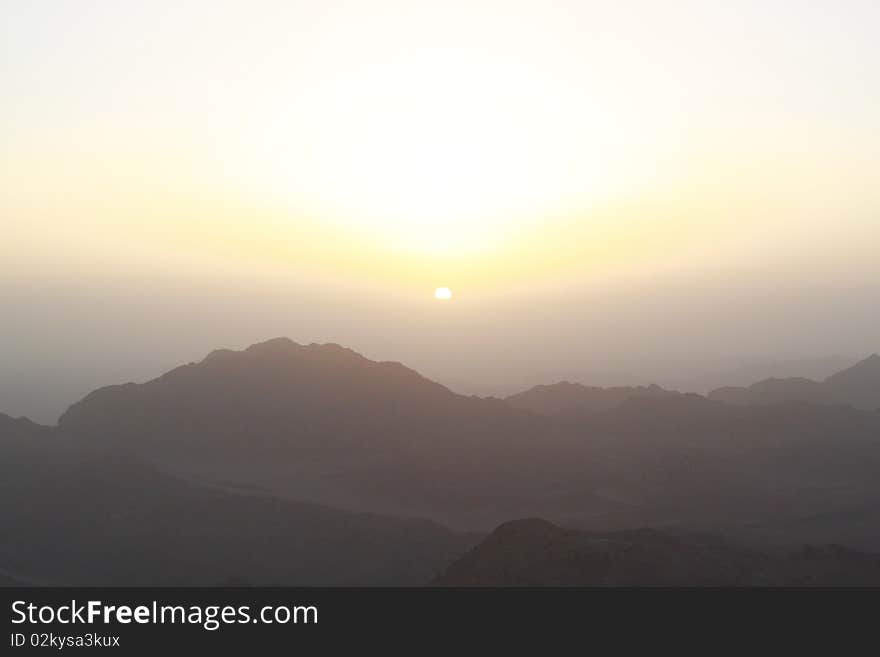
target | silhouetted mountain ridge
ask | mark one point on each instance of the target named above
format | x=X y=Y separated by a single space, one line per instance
x=316 y=422
x=321 y=423
x=857 y=386
x=571 y=399
x=254 y=452
x=279 y=369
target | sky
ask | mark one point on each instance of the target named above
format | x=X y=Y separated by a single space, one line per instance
x=614 y=192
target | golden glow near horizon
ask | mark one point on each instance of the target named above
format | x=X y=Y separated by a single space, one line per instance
x=448 y=152
x=480 y=143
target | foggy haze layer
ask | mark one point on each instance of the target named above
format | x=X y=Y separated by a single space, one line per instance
x=66 y=338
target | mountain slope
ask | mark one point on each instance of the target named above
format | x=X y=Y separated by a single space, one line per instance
x=700 y=463
x=857 y=386
x=537 y=553
x=77 y=516
x=322 y=423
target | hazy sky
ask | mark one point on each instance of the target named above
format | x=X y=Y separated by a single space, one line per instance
x=628 y=190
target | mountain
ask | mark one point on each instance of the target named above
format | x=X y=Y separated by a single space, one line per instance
x=323 y=423
x=537 y=553
x=774 y=391
x=73 y=515
x=21 y=433
x=571 y=399
x=752 y=471
x=770 y=474
x=857 y=386
x=306 y=464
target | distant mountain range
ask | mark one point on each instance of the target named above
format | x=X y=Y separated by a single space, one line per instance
x=857 y=386
x=567 y=399
x=310 y=464
x=324 y=424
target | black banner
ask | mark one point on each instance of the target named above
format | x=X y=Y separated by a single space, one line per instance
x=148 y=621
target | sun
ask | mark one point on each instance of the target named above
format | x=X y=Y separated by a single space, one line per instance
x=443 y=293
